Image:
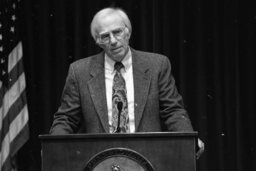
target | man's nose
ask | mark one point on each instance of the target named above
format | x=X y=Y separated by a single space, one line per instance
x=112 y=39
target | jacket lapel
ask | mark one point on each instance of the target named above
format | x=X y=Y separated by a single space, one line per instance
x=141 y=79
x=98 y=90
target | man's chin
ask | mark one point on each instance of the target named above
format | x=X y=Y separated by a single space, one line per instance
x=117 y=51
x=117 y=56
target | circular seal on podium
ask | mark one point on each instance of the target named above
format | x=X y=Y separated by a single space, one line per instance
x=118 y=159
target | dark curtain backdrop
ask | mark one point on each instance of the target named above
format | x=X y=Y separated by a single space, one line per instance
x=211 y=46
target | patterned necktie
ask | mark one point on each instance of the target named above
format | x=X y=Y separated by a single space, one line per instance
x=119 y=95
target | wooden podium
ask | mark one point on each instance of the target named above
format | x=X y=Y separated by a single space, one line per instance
x=168 y=151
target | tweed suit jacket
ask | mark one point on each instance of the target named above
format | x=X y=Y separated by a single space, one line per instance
x=158 y=105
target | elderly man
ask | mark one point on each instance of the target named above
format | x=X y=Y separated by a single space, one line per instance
x=120 y=89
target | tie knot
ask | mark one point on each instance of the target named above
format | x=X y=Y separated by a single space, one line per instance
x=118 y=66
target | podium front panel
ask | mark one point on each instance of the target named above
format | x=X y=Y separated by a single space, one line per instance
x=163 y=151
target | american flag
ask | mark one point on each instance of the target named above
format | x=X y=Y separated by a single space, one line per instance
x=14 y=131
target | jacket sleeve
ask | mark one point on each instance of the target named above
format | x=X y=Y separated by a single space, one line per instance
x=171 y=106
x=68 y=117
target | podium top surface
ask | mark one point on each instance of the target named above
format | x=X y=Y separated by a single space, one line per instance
x=123 y=135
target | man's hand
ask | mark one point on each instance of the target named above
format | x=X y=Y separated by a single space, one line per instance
x=201 y=148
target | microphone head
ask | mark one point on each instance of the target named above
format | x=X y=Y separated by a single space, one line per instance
x=119 y=106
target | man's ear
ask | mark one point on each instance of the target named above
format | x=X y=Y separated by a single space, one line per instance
x=127 y=33
x=96 y=42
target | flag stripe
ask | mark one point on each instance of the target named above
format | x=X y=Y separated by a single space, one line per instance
x=14 y=56
x=16 y=71
x=7 y=165
x=15 y=127
x=2 y=91
x=12 y=95
x=20 y=139
x=12 y=113
x=18 y=123
x=14 y=74
x=17 y=86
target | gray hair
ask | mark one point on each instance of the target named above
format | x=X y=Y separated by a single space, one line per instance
x=109 y=11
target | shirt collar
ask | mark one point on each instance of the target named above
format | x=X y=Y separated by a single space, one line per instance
x=127 y=62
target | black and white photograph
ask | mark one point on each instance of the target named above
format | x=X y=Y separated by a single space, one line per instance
x=127 y=85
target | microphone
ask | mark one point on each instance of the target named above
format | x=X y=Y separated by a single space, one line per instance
x=119 y=108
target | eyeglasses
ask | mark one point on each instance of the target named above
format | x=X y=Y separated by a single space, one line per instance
x=105 y=38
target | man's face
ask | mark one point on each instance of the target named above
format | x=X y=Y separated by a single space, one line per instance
x=114 y=37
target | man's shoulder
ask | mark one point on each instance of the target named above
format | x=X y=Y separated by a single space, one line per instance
x=87 y=61
x=149 y=56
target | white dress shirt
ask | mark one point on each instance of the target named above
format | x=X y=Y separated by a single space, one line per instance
x=127 y=73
